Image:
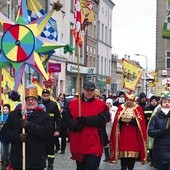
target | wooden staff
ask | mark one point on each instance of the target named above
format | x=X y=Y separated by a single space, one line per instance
x=78 y=77
x=23 y=117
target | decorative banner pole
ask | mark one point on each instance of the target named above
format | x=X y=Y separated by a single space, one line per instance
x=23 y=117
x=22 y=43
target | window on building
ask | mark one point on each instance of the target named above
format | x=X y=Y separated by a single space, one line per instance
x=110 y=36
x=168 y=6
x=102 y=65
x=72 y=5
x=63 y=8
x=71 y=35
x=168 y=59
x=105 y=66
x=102 y=32
x=99 y=30
x=105 y=34
x=9 y=8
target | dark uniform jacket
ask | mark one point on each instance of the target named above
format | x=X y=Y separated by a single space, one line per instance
x=38 y=130
x=54 y=113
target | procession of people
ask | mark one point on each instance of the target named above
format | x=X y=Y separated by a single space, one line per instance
x=94 y=127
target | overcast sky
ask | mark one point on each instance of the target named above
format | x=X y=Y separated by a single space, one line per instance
x=134 y=30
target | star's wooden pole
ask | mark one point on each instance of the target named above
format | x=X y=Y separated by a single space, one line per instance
x=78 y=79
x=23 y=116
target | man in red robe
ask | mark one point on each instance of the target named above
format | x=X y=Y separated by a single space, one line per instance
x=128 y=137
x=86 y=118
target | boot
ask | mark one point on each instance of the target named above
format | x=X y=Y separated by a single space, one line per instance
x=50 y=167
x=106 y=153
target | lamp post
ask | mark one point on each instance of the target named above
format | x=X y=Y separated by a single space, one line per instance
x=146 y=71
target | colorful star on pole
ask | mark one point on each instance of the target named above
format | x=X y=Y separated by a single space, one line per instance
x=21 y=42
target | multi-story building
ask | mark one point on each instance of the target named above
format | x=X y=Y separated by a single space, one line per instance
x=104 y=58
x=94 y=61
x=162 y=47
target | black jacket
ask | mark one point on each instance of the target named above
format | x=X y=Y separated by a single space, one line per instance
x=158 y=129
x=54 y=113
x=38 y=130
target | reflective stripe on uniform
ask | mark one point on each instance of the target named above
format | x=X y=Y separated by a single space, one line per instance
x=50 y=156
x=51 y=114
x=148 y=111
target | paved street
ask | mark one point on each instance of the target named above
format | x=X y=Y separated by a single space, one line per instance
x=63 y=162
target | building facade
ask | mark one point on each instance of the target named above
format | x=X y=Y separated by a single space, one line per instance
x=162 y=48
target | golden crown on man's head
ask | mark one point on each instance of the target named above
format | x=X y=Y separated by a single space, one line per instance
x=31 y=91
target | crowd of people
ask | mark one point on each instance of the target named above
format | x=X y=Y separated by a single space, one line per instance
x=128 y=129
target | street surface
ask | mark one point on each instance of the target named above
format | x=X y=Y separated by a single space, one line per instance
x=63 y=162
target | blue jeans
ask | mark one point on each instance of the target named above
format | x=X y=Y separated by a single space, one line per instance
x=163 y=166
x=91 y=162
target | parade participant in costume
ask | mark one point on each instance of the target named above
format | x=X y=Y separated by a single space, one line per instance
x=86 y=128
x=148 y=111
x=54 y=113
x=38 y=128
x=128 y=137
x=159 y=129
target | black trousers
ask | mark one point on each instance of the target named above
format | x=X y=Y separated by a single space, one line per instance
x=63 y=135
x=50 y=150
x=127 y=163
x=91 y=162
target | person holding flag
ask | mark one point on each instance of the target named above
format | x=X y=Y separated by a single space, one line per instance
x=38 y=129
x=87 y=124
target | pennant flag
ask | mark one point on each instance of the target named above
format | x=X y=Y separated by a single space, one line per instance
x=7 y=85
x=36 y=11
x=87 y=13
x=166 y=28
x=131 y=75
x=76 y=31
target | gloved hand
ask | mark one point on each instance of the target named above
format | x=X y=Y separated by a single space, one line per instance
x=22 y=137
x=78 y=127
x=81 y=120
x=134 y=122
x=24 y=123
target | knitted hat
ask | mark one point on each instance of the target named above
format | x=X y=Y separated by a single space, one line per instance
x=153 y=97
x=142 y=94
x=121 y=93
x=31 y=91
x=109 y=101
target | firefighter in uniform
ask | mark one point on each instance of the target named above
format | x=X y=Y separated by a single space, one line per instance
x=53 y=110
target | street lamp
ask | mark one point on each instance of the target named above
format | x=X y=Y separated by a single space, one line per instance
x=146 y=71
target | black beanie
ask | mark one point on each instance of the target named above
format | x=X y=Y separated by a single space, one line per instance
x=121 y=93
x=153 y=97
x=142 y=94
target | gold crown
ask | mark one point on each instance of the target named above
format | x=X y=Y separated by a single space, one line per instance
x=31 y=91
x=130 y=96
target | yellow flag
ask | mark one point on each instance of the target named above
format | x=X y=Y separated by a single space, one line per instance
x=131 y=75
x=7 y=85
